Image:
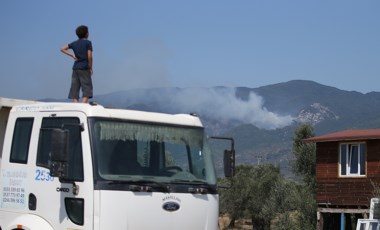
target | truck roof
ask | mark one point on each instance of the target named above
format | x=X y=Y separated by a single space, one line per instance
x=9 y=102
x=94 y=110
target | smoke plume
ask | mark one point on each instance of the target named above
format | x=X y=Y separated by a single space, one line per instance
x=222 y=104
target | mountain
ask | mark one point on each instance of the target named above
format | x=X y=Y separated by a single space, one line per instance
x=261 y=120
x=328 y=109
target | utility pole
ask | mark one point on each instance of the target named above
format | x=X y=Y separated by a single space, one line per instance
x=259 y=157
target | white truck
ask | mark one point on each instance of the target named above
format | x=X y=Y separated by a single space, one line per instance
x=82 y=166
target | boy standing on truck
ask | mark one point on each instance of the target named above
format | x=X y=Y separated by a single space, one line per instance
x=82 y=68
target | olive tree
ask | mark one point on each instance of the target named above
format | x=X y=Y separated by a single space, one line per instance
x=235 y=200
x=304 y=164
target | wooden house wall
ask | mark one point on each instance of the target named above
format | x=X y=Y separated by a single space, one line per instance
x=345 y=191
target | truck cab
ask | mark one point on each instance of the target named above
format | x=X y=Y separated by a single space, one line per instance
x=83 y=166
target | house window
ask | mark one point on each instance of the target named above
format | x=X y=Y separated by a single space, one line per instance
x=352 y=159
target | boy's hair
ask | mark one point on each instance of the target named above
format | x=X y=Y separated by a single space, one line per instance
x=81 y=31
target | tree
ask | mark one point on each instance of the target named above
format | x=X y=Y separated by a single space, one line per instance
x=304 y=164
x=234 y=200
x=249 y=193
x=270 y=200
x=265 y=178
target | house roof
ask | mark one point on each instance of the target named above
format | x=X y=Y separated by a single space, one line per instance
x=347 y=135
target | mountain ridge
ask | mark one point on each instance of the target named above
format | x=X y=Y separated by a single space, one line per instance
x=262 y=120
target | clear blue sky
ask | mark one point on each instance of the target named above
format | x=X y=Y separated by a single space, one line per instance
x=190 y=43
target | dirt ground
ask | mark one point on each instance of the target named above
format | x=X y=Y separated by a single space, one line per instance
x=243 y=224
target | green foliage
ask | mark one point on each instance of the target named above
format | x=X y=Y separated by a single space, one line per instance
x=304 y=164
x=266 y=177
x=271 y=200
x=235 y=200
x=250 y=189
x=290 y=205
x=262 y=194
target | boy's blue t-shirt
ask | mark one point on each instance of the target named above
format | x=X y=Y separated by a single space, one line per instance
x=80 y=48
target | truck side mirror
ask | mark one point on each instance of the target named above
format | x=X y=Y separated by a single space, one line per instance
x=229 y=163
x=228 y=158
x=59 y=153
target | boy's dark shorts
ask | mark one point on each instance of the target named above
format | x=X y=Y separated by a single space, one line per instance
x=81 y=78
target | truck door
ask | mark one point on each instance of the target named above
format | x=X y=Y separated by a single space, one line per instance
x=64 y=203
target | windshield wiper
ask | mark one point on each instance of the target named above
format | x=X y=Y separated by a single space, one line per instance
x=195 y=190
x=143 y=185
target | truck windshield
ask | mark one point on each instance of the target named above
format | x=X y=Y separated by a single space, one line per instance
x=131 y=151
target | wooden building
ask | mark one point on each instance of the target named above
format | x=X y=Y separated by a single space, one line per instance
x=347 y=171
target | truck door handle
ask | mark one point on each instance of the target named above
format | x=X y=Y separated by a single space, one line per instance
x=32 y=202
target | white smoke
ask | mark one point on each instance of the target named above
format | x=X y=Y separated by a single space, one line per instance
x=144 y=65
x=222 y=104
